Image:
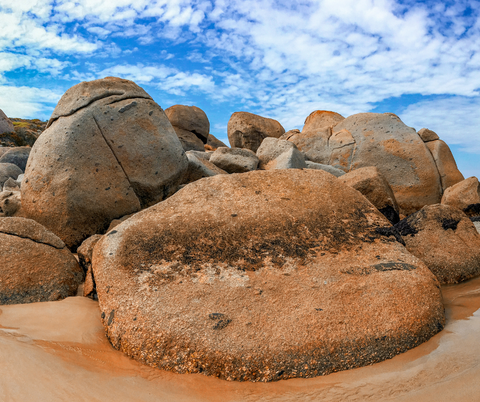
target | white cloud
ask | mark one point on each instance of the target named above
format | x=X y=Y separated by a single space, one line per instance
x=455 y=119
x=27 y=102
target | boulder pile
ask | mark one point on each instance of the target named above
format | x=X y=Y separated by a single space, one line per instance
x=289 y=254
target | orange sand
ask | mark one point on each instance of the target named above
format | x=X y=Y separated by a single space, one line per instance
x=56 y=351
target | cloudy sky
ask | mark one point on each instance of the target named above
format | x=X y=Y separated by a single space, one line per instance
x=280 y=59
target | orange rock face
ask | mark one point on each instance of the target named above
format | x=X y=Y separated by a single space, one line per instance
x=248 y=130
x=445 y=240
x=465 y=196
x=263 y=276
x=446 y=165
x=35 y=264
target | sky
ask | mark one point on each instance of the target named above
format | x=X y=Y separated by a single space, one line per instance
x=279 y=59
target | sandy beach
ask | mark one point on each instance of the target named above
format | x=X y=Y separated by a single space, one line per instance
x=57 y=351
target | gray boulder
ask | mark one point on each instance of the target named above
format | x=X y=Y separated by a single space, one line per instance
x=327 y=168
x=234 y=160
x=17 y=155
x=8 y=170
x=199 y=168
x=279 y=154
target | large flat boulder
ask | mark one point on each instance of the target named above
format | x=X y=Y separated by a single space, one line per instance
x=35 y=264
x=445 y=239
x=234 y=160
x=109 y=150
x=248 y=130
x=262 y=276
x=383 y=141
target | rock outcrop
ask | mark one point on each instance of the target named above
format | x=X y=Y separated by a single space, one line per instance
x=465 y=196
x=370 y=182
x=248 y=130
x=234 y=160
x=445 y=239
x=279 y=154
x=108 y=151
x=263 y=276
x=191 y=125
x=35 y=264
x=380 y=140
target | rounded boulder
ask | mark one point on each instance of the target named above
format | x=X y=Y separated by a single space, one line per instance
x=445 y=239
x=284 y=274
x=109 y=150
x=35 y=264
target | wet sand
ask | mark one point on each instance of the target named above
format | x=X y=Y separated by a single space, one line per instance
x=57 y=351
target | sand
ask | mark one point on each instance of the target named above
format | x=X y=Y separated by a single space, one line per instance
x=57 y=351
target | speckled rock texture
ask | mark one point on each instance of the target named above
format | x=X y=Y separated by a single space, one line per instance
x=371 y=183
x=234 y=160
x=320 y=119
x=109 y=150
x=445 y=239
x=383 y=141
x=17 y=155
x=445 y=162
x=248 y=130
x=263 y=276
x=35 y=265
x=465 y=196
x=279 y=154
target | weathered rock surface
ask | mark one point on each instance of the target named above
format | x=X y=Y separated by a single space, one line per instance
x=446 y=165
x=109 y=150
x=85 y=252
x=214 y=142
x=189 y=118
x=10 y=202
x=35 y=264
x=428 y=135
x=248 y=130
x=370 y=182
x=18 y=156
x=445 y=239
x=464 y=196
x=199 y=168
x=6 y=126
x=320 y=119
x=234 y=160
x=263 y=276
x=279 y=154
x=383 y=141
x=8 y=170
x=327 y=168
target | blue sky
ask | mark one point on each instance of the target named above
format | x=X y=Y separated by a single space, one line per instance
x=279 y=59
